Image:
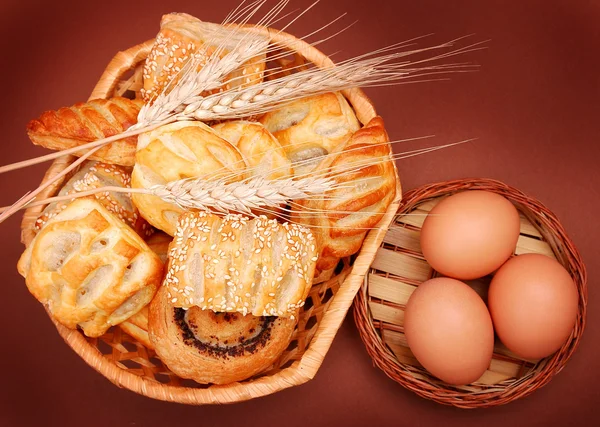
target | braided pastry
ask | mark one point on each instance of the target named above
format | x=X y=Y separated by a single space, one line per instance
x=341 y=218
x=85 y=122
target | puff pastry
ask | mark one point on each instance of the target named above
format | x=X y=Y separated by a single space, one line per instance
x=97 y=175
x=235 y=264
x=177 y=151
x=182 y=37
x=262 y=152
x=137 y=325
x=218 y=348
x=311 y=128
x=85 y=122
x=89 y=268
x=346 y=214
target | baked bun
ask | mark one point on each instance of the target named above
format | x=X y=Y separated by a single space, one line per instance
x=89 y=268
x=85 y=122
x=94 y=175
x=310 y=128
x=137 y=325
x=182 y=37
x=176 y=151
x=236 y=264
x=262 y=152
x=218 y=348
x=341 y=218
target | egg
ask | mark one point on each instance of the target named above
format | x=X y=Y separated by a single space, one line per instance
x=533 y=302
x=449 y=330
x=470 y=234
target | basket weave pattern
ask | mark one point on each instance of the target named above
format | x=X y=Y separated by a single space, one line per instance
x=129 y=364
x=399 y=267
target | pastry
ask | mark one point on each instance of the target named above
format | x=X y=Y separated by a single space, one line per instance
x=235 y=264
x=311 y=128
x=94 y=175
x=89 y=268
x=176 y=151
x=137 y=325
x=182 y=37
x=341 y=218
x=218 y=348
x=263 y=154
x=70 y=127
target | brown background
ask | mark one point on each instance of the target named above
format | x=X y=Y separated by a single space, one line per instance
x=533 y=106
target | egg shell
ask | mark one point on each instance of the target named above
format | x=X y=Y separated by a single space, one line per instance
x=449 y=330
x=470 y=234
x=533 y=302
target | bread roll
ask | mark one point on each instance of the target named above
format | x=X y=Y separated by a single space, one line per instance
x=218 y=348
x=311 y=128
x=236 y=264
x=94 y=175
x=182 y=37
x=89 y=268
x=86 y=122
x=340 y=219
x=176 y=151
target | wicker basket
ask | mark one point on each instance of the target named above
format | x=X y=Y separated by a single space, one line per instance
x=399 y=267
x=129 y=364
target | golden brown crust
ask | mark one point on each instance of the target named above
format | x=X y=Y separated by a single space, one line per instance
x=85 y=122
x=312 y=127
x=176 y=151
x=237 y=264
x=137 y=327
x=93 y=175
x=182 y=37
x=218 y=348
x=346 y=214
x=89 y=268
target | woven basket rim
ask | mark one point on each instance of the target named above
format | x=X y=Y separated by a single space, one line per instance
x=301 y=370
x=566 y=253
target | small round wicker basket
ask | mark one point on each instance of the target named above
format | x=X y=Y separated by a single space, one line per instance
x=129 y=364
x=399 y=267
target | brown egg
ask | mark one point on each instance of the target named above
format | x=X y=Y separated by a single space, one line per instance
x=533 y=302
x=470 y=234
x=449 y=330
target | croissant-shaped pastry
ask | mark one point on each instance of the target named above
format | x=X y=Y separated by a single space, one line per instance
x=341 y=218
x=236 y=264
x=218 y=348
x=85 y=122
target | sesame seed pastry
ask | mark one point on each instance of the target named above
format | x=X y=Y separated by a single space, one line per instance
x=236 y=264
x=176 y=151
x=85 y=122
x=89 y=268
x=341 y=218
x=218 y=348
x=183 y=36
x=137 y=325
x=312 y=127
x=94 y=175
